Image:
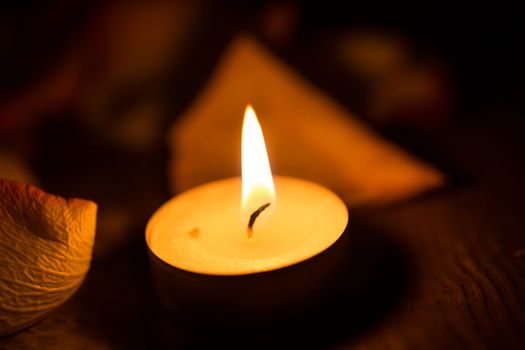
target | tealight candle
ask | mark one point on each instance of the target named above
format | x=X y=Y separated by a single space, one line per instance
x=224 y=245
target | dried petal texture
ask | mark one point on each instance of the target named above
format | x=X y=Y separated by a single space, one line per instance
x=308 y=135
x=46 y=243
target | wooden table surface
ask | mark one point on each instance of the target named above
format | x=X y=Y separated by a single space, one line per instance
x=444 y=271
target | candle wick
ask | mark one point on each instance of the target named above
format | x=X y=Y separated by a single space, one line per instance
x=254 y=217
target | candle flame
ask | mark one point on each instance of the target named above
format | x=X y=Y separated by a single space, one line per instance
x=258 y=191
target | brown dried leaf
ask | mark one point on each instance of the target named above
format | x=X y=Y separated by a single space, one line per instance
x=308 y=135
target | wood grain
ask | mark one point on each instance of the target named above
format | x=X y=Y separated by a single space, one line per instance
x=446 y=271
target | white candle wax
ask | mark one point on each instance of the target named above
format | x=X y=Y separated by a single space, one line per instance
x=201 y=230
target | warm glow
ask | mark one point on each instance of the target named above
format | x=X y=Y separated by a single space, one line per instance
x=257 y=182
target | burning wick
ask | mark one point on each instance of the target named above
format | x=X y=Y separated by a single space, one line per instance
x=254 y=217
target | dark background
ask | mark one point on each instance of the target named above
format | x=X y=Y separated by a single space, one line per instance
x=481 y=42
